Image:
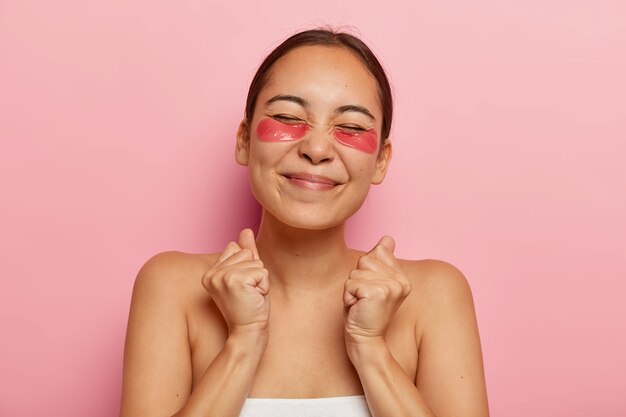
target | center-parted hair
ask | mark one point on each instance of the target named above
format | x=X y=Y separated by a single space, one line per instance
x=326 y=37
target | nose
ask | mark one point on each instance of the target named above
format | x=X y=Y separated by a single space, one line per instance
x=317 y=147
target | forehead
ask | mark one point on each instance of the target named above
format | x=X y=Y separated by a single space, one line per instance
x=323 y=74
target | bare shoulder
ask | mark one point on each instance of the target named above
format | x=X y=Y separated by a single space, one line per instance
x=172 y=272
x=450 y=362
x=157 y=336
x=437 y=281
x=440 y=295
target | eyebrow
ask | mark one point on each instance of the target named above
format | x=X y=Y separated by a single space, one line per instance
x=294 y=99
x=358 y=109
x=303 y=103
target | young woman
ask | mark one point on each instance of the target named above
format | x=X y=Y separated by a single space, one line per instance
x=292 y=321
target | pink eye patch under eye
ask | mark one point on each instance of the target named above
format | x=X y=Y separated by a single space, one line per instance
x=270 y=130
x=366 y=141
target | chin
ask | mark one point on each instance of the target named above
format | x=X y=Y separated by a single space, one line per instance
x=313 y=225
x=310 y=217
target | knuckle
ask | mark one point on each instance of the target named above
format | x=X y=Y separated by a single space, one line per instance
x=230 y=279
x=364 y=262
x=399 y=290
x=208 y=273
x=381 y=291
x=403 y=281
x=205 y=281
x=210 y=283
x=229 y=247
x=406 y=287
x=386 y=291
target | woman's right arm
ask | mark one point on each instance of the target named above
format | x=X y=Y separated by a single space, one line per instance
x=157 y=359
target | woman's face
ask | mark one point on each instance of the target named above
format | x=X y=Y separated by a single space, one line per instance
x=313 y=145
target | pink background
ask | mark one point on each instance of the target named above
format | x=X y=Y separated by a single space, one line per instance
x=117 y=121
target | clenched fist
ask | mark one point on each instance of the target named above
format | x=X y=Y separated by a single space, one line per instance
x=239 y=285
x=373 y=293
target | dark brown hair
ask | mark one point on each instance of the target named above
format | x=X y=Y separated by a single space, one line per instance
x=326 y=37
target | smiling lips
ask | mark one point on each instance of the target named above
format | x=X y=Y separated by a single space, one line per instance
x=310 y=181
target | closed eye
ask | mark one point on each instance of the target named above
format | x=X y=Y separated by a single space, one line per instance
x=352 y=128
x=287 y=119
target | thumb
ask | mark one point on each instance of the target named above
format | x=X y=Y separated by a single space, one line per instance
x=246 y=240
x=388 y=242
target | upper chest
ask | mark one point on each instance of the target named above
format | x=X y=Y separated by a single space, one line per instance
x=305 y=355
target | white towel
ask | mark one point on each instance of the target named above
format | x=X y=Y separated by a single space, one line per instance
x=352 y=406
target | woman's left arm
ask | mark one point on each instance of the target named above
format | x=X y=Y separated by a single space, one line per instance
x=450 y=378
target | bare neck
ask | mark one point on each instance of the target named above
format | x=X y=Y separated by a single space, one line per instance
x=302 y=258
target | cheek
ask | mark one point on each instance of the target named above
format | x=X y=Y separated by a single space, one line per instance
x=270 y=130
x=366 y=141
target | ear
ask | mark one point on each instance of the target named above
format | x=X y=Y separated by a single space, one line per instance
x=242 y=148
x=382 y=162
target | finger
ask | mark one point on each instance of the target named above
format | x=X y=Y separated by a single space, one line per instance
x=246 y=240
x=380 y=261
x=263 y=286
x=244 y=254
x=388 y=242
x=239 y=276
x=364 y=274
x=349 y=298
x=257 y=277
x=367 y=288
x=227 y=274
x=398 y=284
x=353 y=291
x=228 y=251
x=383 y=251
x=245 y=264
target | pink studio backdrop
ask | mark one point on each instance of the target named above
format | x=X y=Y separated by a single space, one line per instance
x=117 y=122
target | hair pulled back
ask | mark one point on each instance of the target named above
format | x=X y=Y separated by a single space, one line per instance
x=326 y=37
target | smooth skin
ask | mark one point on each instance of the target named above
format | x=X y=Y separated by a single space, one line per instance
x=294 y=312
